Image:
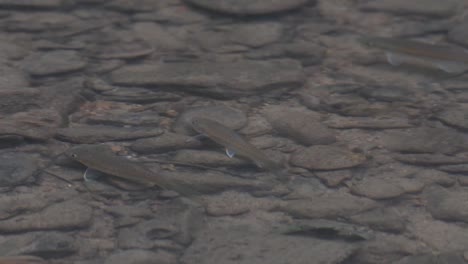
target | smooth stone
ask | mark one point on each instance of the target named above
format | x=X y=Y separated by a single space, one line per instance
x=458 y=33
x=333 y=178
x=256 y=34
x=66 y=215
x=215 y=182
x=241 y=246
x=134 y=6
x=164 y=143
x=458 y=168
x=328 y=230
x=51 y=244
x=207 y=158
x=386 y=93
x=32 y=3
x=160 y=37
x=124 y=51
x=299 y=124
x=229 y=117
x=95 y=134
x=376 y=188
x=326 y=158
x=17 y=168
x=415 y=7
x=383 y=219
x=138 y=95
x=236 y=203
x=367 y=122
x=423 y=140
x=122 y=119
x=245 y=7
x=39 y=21
x=12 y=80
x=138 y=256
x=442 y=258
x=328 y=205
x=430 y=159
x=17 y=100
x=174 y=15
x=35 y=125
x=455 y=117
x=53 y=62
x=447 y=204
x=216 y=79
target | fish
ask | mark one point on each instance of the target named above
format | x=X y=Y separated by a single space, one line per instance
x=398 y=51
x=234 y=143
x=101 y=158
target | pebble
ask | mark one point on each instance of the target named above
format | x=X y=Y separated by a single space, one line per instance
x=256 y=34
x=138 y=256
x=299 y=124
x=444 y=257
x=51 y=244
x=457 y=33
x=376 y=188
x=39 y=21
x=447 y=204
x=215 y=79
x=37 y=125
x=53 y=62
x=96 y=134
x=245 y=7
x=326 y=158
x=330 y=205
x=367 y=122
x=12 y=80
x=230 y=117
x=383 y=219
x=236 y=203
x=416 y=7
x=430 y=159
x=138 y=95
x=16 y=100
x=124 y=51
x=423 y=140
x=333 y=178
x=459 y=168
x=454 y=117
x=66 y=215
x=17 y=168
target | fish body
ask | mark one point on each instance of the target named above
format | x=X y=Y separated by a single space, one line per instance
x=101 y=158
x=234 y=143
x=447 y=58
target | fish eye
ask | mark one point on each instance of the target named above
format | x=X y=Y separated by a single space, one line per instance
x=73 y=155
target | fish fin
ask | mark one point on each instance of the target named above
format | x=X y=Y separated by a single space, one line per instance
x=91 y=175
x=451 y=66
x=395 y=59
x=230 y=153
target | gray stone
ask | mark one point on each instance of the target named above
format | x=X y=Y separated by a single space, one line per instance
x=138 y=256
x=245 y=7
x=442 y=258
x=326 y=158
x=333 y=178
x=236 y=203
x=137 y=95
x=458 y=33
x=32 y=3
x=67 y=215
x=53 y=62
x=384 y=219
x=217 y=79
x=299 y=124
x=17 y=168
x=229 y=117
x=17 y=100
x=455 y=116
x=50 y=244
x=376 y=188
x=430 y=159
x=367 y=122
x=95 y=134
x=256 y=34
x=447 y=204
x=11 y=79
x=417 y=7
x=36 y=125
x=39 y=21
x=330 y=205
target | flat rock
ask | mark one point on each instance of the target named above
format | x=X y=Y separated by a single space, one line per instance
x=124 y=51
x=383 y=219
x=17 y=168
x=217 y=79
x=329 y=205
x=417 y=7
x=377 y=188
x=39 y=21
x=236 y=203
x=458 y=168
x=138 y=256
x=333 y=178
x=447 y=204
x=423 y=140
x=16 y=100
x=241 y=245
x=430 y=159
x=457 y=33
x=12 y=79
x=166 y=142
x=32 y=3
x=299 y=124
x=66 y=215
x=442 y=258
x=137 y=95
x=455 y=117
x=53 y=62
x=244 y=7
x=48 y=244
x=256 y=34
x=95 y=134
x=230 y=117
x=326 y=158
x=367 y=122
